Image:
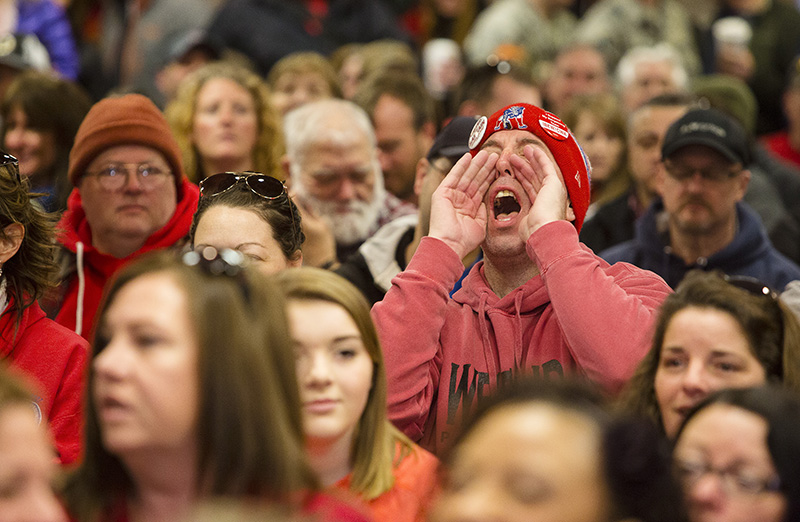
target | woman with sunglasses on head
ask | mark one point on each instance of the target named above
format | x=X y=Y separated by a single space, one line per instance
x=223 y=120
x=252 y=213
x=50 y=355
x=349 y=440
x=193 y=396
x=737 y=456
x=714 y=332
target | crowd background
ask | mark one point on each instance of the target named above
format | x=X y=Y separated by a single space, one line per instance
x=202 y=200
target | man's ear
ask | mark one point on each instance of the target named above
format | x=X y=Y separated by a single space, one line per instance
x=422 y=168
x=744 y=182
x=9 y=245
x=570 y=213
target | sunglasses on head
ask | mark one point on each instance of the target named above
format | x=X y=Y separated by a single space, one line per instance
x=10 y=162
x=259 y=184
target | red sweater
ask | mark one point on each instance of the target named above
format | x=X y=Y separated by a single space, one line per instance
x=580 y=315
x=73 y=230
x=54 y=359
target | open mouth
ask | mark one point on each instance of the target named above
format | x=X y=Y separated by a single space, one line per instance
x=505 y=205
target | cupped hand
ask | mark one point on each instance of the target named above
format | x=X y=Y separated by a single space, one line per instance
x=545 y=188
x=458 y=212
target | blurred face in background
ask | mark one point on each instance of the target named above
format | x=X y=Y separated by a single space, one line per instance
x=523 y=463
x=28 y=468
x=646 y=130
x=726 y=468
x=146 y=383
x=35 y=149
x=225 y=126
x=603 y=148
x=296 y=88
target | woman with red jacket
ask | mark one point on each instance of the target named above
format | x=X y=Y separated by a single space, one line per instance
x=50 y=356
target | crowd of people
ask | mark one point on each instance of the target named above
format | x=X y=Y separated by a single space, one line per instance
x=399 y=260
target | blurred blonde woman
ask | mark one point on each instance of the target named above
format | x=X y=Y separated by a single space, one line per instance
x=350 y=443
x=223 y=120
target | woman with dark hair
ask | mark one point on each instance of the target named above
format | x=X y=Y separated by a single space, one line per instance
x=714 y=332
x=551 y=452
x=252 y=213
x=350 y=442
x=52 y=356
x=41 y=114
x=737 y=456
x=27 y=468
x=193 y=395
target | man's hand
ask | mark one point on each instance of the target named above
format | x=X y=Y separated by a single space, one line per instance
x=319 y=248
x=735 y=61
x=545 y=188
x=458 y=212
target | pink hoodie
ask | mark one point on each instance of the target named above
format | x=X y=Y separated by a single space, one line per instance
x=580 y=315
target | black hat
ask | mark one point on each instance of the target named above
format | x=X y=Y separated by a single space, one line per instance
x=452 y=141
x=711 y=128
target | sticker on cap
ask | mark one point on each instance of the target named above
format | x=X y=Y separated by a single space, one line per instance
x=554 y=127
x=477 y=133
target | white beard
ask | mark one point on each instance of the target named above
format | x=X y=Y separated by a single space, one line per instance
x=351 y=222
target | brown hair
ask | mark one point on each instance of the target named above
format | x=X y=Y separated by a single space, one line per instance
x=606 y=109
x=180 y=114
x=404 y=86
x=305 y=62
x=772 y=330
x=32 y=270
x=249 y=426
x=281 y=215
x=51 y=105
x=375 y=438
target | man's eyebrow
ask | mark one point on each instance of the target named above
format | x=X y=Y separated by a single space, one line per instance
x=524 y=141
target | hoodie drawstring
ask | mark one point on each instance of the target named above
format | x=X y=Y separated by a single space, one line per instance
x=488 y=352
x=81 y=289
x=519 y=348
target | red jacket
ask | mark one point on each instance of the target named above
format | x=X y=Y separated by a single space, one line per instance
x=74 y=234
x=580 y=315
x=53 y=358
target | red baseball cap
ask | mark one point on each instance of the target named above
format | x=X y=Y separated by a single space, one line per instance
x=546 y=126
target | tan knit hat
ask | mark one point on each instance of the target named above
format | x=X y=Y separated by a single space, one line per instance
x=129 y=119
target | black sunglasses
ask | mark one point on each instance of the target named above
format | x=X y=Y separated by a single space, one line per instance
x=751 y=285
x=259 y=184
x=12 y=163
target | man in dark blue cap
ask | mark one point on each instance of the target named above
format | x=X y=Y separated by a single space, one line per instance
x=386 y=253
x=700 y=220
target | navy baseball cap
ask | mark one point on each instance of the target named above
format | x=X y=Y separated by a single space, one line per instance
x=452 y=142
x=711 y=128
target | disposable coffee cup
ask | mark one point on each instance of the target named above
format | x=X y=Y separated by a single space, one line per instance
x=732 y=32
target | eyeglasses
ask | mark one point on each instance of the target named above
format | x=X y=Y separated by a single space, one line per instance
x=751 y=285
x=259 y=184
x=734 y=482
x=714 y=175
x=115 y=175
x=11 y=163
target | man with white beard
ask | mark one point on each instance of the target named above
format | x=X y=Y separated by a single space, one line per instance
x=334 y=174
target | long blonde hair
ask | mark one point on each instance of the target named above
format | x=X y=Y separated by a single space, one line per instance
x=373 y=453
x=180 y=114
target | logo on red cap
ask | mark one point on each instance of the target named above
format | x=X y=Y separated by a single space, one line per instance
x=554 y=127
x=513 y=117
